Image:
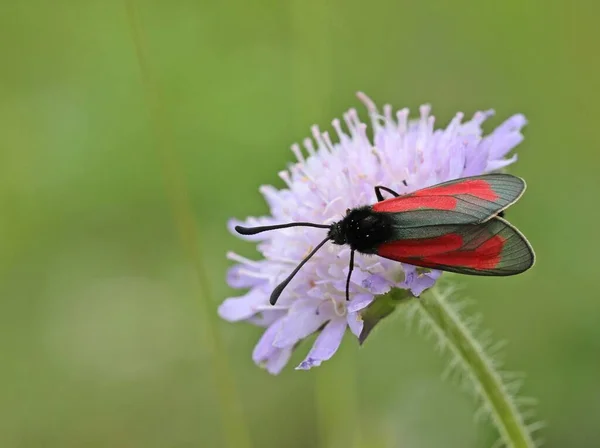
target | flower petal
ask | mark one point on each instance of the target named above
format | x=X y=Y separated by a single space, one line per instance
x=326 y=344
x=501 y=146
x=266 y=318
x=494 y=165
x=416 y=282
x=355 y=323
x=240 y=308
x=359 y=301
x=273 y=359
x=278 y=360
x=376 y=284
x=238 y=277
x=300 y=323
x=511 y=124
x=264 y=348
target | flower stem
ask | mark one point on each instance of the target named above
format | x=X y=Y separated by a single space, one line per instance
x=443 y=317
x=232 y=418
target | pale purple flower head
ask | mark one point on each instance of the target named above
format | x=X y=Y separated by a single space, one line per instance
x=328 y=178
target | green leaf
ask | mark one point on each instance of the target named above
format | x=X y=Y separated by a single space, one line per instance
x=380 y=308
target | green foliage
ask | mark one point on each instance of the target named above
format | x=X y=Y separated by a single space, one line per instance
x=381 y=308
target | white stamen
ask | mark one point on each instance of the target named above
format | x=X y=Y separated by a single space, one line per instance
x=255 y=274
x=316 y=132
x=387 y=112
x=402 y=116
x=368 y=102
x=271 y=307
x=349 y=123
x=298 y=152
x=285 y=176
x=425 y=109
x=243 y=260
x=338 y=129
x=328 y=143
x=331 y=204
x=308 y=144
x=339 y=308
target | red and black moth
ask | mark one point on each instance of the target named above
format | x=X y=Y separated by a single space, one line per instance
x=454 y=226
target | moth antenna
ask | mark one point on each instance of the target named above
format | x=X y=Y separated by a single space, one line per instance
x=254 y=230
x=279 y=288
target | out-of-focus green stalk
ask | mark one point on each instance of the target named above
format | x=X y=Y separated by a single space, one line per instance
x=336 y=397
x=473 y=357
x=235 y=430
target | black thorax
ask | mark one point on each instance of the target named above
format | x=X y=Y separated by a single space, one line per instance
x=362 y=229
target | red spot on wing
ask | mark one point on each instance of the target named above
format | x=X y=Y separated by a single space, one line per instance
x=486 y=256
x=478 y=187
x=445 y=251
x=422 y=247
x=437 y=198
x=411 y=202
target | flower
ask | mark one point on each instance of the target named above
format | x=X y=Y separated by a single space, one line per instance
x=328 y=178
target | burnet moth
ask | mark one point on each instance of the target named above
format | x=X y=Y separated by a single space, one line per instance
x=454 y=226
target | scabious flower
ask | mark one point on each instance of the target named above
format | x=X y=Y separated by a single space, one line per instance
x=328 y=178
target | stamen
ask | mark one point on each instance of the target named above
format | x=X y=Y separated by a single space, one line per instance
x=283 y=260
x=271 y=196
x=387 y=112
x=271 y=307
x=354 y=119
x=402 y=117
x=255 y=274
x=425 y=109
x=298 y=153
x=285 y=176
x=339 y=308
x=368 y=102
x=328 y=143
x=430 y=123
x=243 y=260
x=362 y=132
x=452 y=127
x=330 y=204
x=349 y=123
x=316 y=132
x=338 y=129
x=308 y=144
x=302 y=169
x=480 y=116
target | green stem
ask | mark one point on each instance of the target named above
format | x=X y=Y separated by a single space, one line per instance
x=444 y=319
x=232 y=416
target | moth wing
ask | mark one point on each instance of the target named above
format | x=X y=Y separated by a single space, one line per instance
x=492 y=248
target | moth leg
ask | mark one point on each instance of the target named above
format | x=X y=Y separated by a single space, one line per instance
x=349 y=275
x=380 y=197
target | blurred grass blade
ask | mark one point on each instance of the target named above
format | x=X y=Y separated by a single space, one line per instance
x=232 y=419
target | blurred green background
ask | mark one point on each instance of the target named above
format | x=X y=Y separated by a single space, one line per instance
x=103 y=340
